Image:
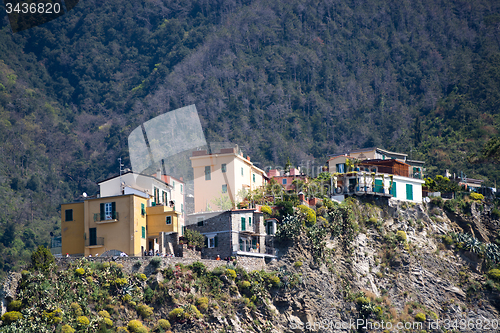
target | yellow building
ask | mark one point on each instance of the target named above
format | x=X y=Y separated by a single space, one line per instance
x=122 y=223
x=224 y=173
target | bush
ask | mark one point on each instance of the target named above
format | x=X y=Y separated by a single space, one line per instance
x=494 y=274
x=289 y=229
x=373 y=220
x=194 y=238
x=163 y=324
x=176 y=314
x=198 y=268
x=362 y=301
x=120 y=282
x=401 y=236
x=142 y=277
x=135 y=326
x=15 y=305
x=420 y=317
x=108 y=322
x=76 y=309
x=437 y=201
x=11 y=316
x=245 y=284
x=192 y=311
x=67 y=329
x=53 y=317
x=202 y=303
x=144 y=311
x=495 y=213
x=155 y=262
x=266 y=210
x=309 y=214
x=83 y=321
x=231 y=273
x=104 y=314
x=41 y=259
x=79 y=271
x=447 y=240
x=297 y=264
x=476 y=196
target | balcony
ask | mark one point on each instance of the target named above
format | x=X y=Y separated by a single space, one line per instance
x=94 y=242
x=249 y=251
x=100 y=219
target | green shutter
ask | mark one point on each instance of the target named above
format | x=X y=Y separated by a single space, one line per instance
x=254 y=243
x=206 y=241
x=249 y=221
x=216 y=241
x=243 y=226
x=113 y=210
x=379 y=187
x=393 y=190
x=143 y=232
x=102 y=212
x=143 y=209
x=409 y=192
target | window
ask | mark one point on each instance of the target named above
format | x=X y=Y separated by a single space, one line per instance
x=393 y=189
x=108 y=211
x=341 y=168
x=168 y=220
x=207 y=173
x=253 y=176
x=173 y=184
x=181 y=188
x=409 y=192
x=211 y=242
x=242 y=171
x=249 y=221
x=224 y=188
x=223 y=167
x=243 y=224
x=284 y=181
x=143 y=210
x=92 y=236
x=69 y=215
x=143 y=232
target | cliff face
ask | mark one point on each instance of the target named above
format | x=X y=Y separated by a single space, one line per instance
x=401 y=269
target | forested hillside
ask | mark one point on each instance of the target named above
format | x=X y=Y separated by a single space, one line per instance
x=298 y=79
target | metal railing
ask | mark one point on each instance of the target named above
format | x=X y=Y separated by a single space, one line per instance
x=99 y=218
x=98 y=241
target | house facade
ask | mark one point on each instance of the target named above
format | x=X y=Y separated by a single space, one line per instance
x=391 y=178
x=134 y=213
x=286 y=179
x=223 y=174
x=239 y=232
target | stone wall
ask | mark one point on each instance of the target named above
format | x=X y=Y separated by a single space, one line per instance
x=143 y=265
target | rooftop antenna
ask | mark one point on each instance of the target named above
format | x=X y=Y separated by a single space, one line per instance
x=121 y=170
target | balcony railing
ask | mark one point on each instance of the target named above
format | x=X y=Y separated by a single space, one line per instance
x=113 y=217
x=98 y=241
x=253 y=250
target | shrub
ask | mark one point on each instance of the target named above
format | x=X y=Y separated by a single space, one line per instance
x=142 y=277
x=297 y=264
x=373 y=220
x=155 y=262
x=476 y=196
x=362 y=301
x=83 y=321
x=437 y=201
x=194 y=238
x=202 y=303
x=80 y=271
x=266 y=210
x=104 y=314
x=11 y=316
x=192 y=311
x=495 y=213
x=67 y=329
x=135 y=326
x=108 y=322
x=41 y=259
x=163 y=324
x=494 y=274
x=231 y=273
x=289 y=229
x=198 y=268
x=309 y=214
x=401 y=236
x=15 y=305
x=53 y=317
x=120 y=282
x=245 y=284
x=76 y=309
x=420 y=317
x=447 y=240
x=144 y=311
x=176 y=314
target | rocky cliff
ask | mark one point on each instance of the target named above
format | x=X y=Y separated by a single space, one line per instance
x=371 y=267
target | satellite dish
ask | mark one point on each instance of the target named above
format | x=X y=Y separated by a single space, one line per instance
x=84 y=194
